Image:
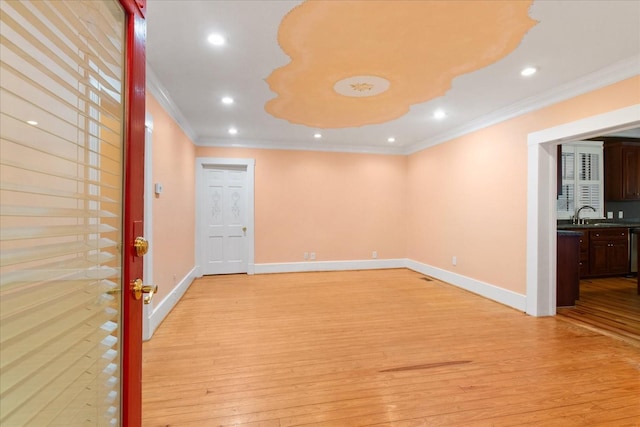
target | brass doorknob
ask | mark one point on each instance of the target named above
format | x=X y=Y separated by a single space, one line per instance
x=141 y=245
x=138 y=289
x=244 y=229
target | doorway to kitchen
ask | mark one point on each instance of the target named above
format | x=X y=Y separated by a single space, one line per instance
x=541 y=199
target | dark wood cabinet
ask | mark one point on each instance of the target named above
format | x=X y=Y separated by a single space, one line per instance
x=631 y=173
x=608 y=251
x=584 y=253
x=568 y=269
x=603 y=252
x=622 y=170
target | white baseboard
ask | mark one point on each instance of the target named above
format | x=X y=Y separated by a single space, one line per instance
x=487 y=290
x=299 y=267
x=155 y=314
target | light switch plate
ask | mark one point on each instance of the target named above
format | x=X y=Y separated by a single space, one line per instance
x=609 y=215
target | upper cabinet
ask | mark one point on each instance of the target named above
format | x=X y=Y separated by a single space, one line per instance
x=622 y=170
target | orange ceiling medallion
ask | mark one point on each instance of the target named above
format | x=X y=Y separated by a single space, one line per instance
x=355 y=63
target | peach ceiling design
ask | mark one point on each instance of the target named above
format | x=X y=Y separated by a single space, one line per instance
x=355 y=63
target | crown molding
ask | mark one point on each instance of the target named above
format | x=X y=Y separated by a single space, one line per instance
x=619 y=71
x=297 y=146
x=161 y=94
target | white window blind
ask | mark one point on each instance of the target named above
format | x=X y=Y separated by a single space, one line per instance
x=582 y=180
x=61 y=132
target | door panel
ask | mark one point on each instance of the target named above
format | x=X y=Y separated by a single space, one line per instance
x=225 y=220
x=70 y=328
x=598 y=257
x=619 y=257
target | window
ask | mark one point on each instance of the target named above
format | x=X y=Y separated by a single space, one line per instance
x=582 y=180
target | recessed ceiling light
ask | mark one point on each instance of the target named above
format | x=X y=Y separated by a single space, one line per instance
x=233 y=131
x=216 y=39
x=317 y=135
x=32 y=122
x=227 y=100
x=391 y=139
x=529 y=71
x=439 y=114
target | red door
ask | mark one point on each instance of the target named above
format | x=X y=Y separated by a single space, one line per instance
x=133 y=211
x=71 y=206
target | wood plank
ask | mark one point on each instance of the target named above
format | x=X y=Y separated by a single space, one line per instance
x=608 y=305
x=376 y=348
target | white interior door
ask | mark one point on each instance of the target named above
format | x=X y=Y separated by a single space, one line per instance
x=225 y=219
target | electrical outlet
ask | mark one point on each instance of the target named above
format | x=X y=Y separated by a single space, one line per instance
x=609 y=215
x=374 y=255
x=454 y=260
x=312 y=256
x=620 y=214
x=306 y=255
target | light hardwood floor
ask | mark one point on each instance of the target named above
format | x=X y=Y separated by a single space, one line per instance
x=610 y=305
x=377 y=348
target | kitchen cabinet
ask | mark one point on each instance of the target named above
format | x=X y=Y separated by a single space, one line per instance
x=622 y=170
x=603 y=252
x=568 y=268
x=608 y=252
x=584 y=253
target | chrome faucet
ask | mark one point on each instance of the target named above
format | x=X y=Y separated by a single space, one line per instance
x=576 y=217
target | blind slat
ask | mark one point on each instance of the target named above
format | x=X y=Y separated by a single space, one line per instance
x=53 y=231
x=43 y=211
x=24 y=167
x=30 y=189
x=38 y=253
x=79 y=268
x=16 y=304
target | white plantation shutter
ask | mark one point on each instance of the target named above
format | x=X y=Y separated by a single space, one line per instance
x=566 y=201
x=582 y=180
x=590 y=183
x=60 y=211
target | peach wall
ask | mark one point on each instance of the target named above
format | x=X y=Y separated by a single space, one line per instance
x=174 y=209
x=477 y=211
x=464 y=198
x=341 y=206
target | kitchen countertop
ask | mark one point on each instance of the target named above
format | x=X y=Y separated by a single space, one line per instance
x=569 y=233
x=630 y=225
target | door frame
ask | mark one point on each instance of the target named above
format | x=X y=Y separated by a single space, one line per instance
x=148 y=222
x=201 y=164
x=541 y=199
x=133 y=207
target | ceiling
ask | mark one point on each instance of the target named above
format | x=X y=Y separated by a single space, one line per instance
x=361 y=72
